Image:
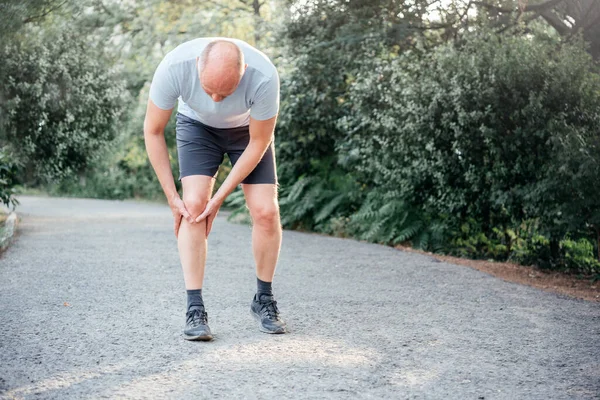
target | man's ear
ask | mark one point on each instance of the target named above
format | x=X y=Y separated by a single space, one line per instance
x=245 y=66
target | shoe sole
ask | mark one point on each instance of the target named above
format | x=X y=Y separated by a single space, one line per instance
x=202 y=338
x=263 y=329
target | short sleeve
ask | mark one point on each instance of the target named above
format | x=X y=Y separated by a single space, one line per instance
x=266 y=103
x=164 y=89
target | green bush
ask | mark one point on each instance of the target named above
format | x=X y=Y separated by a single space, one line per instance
x=123 y=170
x=579 y=257
x=60 y=106
x=471 y=242
x=525 y=245
x=324 y=46
x=494 y=130
x=388 y=219
x=532 y=248
x=316 y=202
x=9 y=169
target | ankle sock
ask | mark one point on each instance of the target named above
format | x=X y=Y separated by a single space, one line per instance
x=263 y=287
x=194 y=299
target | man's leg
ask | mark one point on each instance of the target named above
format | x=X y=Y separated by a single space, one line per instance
x=266 y=227
x=266 y=243
x=191 y=240
x=192 y=245
x=260 y=191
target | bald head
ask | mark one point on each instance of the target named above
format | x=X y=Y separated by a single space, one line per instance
x=221 y=68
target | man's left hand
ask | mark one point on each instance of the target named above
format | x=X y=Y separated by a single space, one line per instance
x=210 y=212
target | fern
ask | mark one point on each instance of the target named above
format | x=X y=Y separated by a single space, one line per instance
x=408 y=232
x=374 y=231
x=422 y=240
x=296 y=190
x=327 y=210
x=236 y=199
x=237 y=202
x=387 y=218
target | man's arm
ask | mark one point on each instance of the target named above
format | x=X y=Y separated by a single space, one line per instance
x=261 y=135
x=156 y=146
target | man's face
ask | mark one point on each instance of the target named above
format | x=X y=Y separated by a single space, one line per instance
x=218 y=89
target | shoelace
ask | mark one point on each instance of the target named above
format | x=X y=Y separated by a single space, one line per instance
x=271 y=308
x=197 y=316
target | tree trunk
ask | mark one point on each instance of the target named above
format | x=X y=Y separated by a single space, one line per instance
x=257 y=21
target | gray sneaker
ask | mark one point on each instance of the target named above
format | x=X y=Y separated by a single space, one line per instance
x=265 y=312
x=196 y=325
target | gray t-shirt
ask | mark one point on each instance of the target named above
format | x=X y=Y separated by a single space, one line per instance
x=176 y=78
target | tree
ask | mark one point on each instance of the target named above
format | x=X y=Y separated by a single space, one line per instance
x=14 y=14
x=60 y=104
x=568 y=17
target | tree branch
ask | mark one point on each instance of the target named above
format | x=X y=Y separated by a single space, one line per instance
x=42 y=15
x=542 y=6
x=555 y=22
x=529 y=7
x=526 y=21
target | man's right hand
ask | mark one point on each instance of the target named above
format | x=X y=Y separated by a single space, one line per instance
x=179 y=212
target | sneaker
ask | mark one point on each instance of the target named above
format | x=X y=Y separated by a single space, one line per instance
x=196 y=325
x=265 y=312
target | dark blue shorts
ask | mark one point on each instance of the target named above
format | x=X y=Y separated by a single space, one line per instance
x=201 y=148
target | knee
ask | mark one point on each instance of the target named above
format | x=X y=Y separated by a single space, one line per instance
x=195 y=205
x=266 y=216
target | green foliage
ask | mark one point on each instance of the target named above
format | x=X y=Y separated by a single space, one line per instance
x=9 y=168
x=123 y=170
x=497 y=129
x=487 y=147
x=325 y=44
x=237 y=203
x=316 y=202
x=472 y=243
x=493 y=130
x=530 y=247
x=527 y=245
x=61 y=105
x=16 y=13
x=523 y=244
x=96 y=39
x=579 y=256
x=386 y=218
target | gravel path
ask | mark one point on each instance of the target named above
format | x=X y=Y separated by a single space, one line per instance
x=92 y=305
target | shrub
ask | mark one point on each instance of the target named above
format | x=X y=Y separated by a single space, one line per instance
x=579 y=256
x=9 y=168
x=494 y=130
x=60 y=104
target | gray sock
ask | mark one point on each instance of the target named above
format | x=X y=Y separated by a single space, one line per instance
x=263 y=287
x=194 y=299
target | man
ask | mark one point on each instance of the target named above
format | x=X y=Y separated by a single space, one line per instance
x=228 y=94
